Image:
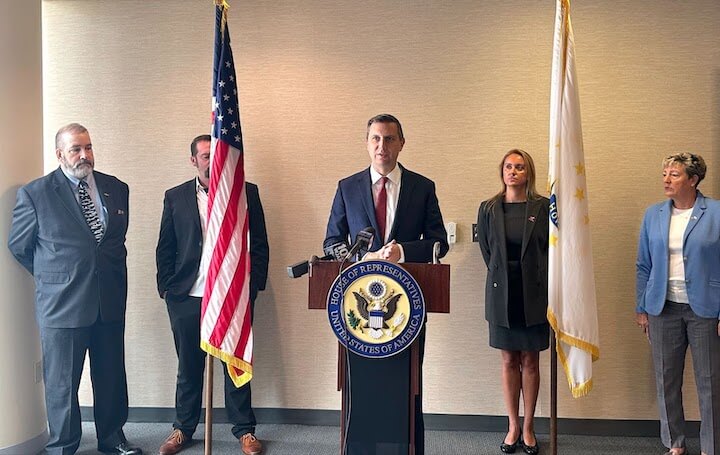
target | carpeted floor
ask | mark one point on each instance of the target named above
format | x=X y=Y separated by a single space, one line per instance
x=320 y=440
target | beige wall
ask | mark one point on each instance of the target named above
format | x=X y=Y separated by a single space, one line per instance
x=468 y=79
x=23 y=421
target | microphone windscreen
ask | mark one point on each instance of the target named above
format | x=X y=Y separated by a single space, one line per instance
x=337 y=250
x=298 y=270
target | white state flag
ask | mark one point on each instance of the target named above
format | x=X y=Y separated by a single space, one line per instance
x=572 y=309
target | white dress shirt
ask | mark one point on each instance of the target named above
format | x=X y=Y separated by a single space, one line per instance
x=198 y=287
x=392 y=187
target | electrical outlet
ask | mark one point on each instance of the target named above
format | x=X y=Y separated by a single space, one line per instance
x=474 y=232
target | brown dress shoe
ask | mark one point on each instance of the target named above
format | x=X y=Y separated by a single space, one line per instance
x=250 y=444
x=174 y=443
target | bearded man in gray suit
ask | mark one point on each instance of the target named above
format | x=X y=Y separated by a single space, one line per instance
x=68 y=231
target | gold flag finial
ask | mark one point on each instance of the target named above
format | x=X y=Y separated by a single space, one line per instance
x=224 y=5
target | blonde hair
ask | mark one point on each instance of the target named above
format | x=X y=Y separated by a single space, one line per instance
x=693 y=164
x=530 y=190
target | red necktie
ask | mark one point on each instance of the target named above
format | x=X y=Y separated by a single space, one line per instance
x=381 y=208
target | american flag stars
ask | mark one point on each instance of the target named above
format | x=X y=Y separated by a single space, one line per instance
x=227 y=119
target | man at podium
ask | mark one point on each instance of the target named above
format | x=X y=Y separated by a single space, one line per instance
x=402 y=208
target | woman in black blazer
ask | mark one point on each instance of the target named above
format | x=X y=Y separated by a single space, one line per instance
x=513 y=237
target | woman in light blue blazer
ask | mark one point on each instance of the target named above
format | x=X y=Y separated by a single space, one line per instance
x=678 y=299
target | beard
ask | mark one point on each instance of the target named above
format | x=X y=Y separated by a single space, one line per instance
x=82 y=169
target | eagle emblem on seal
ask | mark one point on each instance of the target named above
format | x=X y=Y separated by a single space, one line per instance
x=377 y=307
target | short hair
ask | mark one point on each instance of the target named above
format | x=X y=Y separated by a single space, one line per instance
x=194 y=143
x=693 y=164
x=69 y=128
x=530 y=190
x=385 y=118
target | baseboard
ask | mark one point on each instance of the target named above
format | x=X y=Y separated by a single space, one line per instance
x=35 y=444
x=445 y=422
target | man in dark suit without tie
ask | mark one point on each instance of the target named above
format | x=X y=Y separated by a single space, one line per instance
x=68 y=231
x=403 y=208
x=181 y=282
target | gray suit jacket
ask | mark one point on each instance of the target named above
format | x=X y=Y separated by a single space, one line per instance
x=76 y=278
x=533 y=261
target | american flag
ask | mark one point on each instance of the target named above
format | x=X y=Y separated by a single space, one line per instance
x=225 y=328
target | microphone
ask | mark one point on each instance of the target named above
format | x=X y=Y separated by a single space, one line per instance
x=362 y=242
x=336 y=251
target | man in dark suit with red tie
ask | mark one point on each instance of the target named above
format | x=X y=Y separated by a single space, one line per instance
x=68 y=231
x=181 y=283
x=403 y=209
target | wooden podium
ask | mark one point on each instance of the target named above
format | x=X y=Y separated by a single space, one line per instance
x=434 y=281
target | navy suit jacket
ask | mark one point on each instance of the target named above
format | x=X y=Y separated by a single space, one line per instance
x=180 y=244
x=533 y=261
x=701 y=250
x=418 y=222
x=76 y=278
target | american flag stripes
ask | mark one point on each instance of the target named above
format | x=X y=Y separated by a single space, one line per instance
x=226 y=329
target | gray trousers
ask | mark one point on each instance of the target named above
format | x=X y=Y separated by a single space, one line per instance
x=63 y=359
x=676 y=328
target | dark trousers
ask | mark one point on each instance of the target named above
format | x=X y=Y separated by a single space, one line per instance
x=185 y=324
x=63 y=359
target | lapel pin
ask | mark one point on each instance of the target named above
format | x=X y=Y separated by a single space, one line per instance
x=531 y=219
x=106 y=194
x=120 y=212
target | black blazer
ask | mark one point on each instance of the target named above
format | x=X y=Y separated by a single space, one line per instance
x=76 y=278
x=180 y=244
x=418 y=221
x=534 y=261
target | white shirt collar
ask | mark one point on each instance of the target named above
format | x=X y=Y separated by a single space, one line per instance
x=394 y=175
x=198 y=186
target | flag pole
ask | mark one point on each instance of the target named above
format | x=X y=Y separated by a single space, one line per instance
x=208 y=403
x=553 y=394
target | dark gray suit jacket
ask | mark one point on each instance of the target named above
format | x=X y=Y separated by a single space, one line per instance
x=534 y=261
x=76 y=278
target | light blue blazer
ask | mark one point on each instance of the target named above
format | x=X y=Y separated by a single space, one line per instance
x=701 y=251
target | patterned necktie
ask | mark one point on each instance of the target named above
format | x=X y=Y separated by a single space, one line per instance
x=89 y=211
x=381 y=208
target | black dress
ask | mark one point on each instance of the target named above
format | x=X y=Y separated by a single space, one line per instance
x=518 y=337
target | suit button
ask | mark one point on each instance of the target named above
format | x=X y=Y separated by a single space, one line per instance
x=494 y=285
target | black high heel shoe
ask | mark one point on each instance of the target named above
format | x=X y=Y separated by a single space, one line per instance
x=510 y=448
x=531 y=450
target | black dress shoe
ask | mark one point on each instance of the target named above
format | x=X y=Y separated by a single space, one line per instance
x=121 y=449
x=531 y=450
x=510 y=448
